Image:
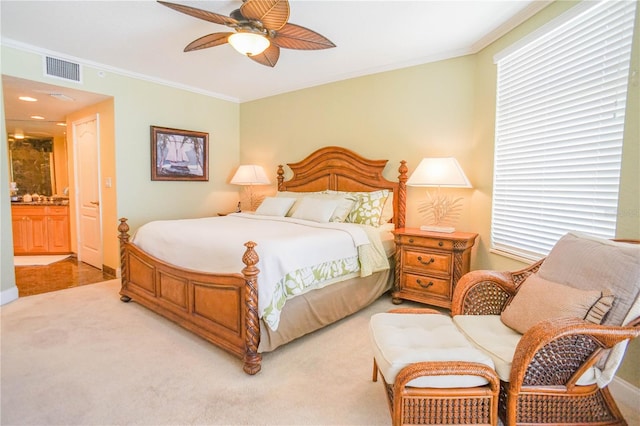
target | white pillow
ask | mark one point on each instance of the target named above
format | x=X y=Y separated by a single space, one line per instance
x=345 y=204
x=315 y=209
x=297 y=196
x=272 y=206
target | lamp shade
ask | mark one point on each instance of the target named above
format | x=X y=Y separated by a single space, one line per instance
x=249 y=43
x=250 y=174
x=443 y=171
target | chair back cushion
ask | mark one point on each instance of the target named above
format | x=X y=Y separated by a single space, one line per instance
x=590 y=263
x=538 y=299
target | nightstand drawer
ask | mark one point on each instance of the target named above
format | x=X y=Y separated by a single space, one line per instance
x=426 y=242
x=433 y=286
x=427 y=262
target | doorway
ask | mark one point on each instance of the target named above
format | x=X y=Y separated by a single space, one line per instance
x=55 y=103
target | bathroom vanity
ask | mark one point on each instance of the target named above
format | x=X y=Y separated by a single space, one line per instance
x=40 y=228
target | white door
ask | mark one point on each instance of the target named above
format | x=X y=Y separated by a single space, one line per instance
x=86 y=142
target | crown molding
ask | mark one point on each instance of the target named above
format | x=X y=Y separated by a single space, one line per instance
x=526 y=13
x=6 y=42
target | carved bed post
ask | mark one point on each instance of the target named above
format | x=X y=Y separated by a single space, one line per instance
x=252 y=358
x=123 y=229
x=402 y=194
x=280 y=176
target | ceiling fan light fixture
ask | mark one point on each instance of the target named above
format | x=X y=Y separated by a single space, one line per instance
x=249 y=43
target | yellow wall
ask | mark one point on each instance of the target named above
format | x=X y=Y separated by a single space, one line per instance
x=8 y=289
x=446 y=108
x=398 y=115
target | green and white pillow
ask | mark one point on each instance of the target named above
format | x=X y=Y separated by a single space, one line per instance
x=368 y=207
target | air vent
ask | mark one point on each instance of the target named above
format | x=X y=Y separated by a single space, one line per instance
x=59 y=68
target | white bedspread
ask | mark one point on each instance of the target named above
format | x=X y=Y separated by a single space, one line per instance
x=284 y=245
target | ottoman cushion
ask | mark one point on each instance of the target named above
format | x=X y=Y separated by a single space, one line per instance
x=402 y=339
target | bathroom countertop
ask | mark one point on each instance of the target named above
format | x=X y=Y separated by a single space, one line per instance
x=52 y=203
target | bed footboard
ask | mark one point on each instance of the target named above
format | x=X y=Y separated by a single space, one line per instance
x=221 y=308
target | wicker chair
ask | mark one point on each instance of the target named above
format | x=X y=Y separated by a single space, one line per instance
x=550 y=357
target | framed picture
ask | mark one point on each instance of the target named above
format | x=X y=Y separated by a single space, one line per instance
x=179 y=154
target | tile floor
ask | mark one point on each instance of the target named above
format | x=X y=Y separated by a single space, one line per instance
x=67 y=273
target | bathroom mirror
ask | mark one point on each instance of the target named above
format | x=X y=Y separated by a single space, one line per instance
x=32 y=166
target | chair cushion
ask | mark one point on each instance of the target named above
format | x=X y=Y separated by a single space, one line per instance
x=489 y=334
x=402 y=339
x=590 y=263
x=538 y=299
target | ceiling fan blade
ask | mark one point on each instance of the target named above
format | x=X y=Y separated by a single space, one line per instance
x=201 y=14
x=273 y=14
x=269 y=57
x=293 y=36
x=211 y=40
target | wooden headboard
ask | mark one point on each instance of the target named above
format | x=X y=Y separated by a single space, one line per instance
x=340 y=169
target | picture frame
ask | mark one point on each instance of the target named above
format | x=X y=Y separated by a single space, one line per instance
x=179 y=155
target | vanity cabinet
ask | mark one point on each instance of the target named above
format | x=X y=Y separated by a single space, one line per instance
x=40 y=229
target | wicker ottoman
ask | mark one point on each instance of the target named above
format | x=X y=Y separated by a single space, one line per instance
x=431 y=373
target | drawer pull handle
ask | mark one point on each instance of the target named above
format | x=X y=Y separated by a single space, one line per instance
x=440 y=243
x=411 y=240
x=419 y=281
x=427 y=262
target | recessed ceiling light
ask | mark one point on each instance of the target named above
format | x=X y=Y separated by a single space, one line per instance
x=27 y=99
x=61 y=97
x=37 y=117
x=61 y=124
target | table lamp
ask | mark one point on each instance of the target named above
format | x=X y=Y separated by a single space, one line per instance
x=249 y=175
x=440 y=210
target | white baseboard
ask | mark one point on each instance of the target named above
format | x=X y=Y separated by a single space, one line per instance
x=624 y=392
x=8 y=295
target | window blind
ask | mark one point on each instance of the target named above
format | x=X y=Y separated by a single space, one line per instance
x=560 y=114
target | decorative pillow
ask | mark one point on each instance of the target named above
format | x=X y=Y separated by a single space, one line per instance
x=368 y=208
x=387 y=210
x=315 y=209
x=342 y=210
x=538 y=300
x=272 y=206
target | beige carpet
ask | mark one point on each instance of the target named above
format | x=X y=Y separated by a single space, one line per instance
x=82 y=357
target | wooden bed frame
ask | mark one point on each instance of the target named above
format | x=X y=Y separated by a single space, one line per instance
x=223 y=308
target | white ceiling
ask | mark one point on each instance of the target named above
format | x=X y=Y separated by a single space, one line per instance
x=146 y=40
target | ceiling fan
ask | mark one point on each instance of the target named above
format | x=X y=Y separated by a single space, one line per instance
x=261 y=29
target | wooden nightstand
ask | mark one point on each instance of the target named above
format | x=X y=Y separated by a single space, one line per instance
x=429 y=264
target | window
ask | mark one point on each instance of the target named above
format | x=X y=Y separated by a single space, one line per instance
x=561 y=98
